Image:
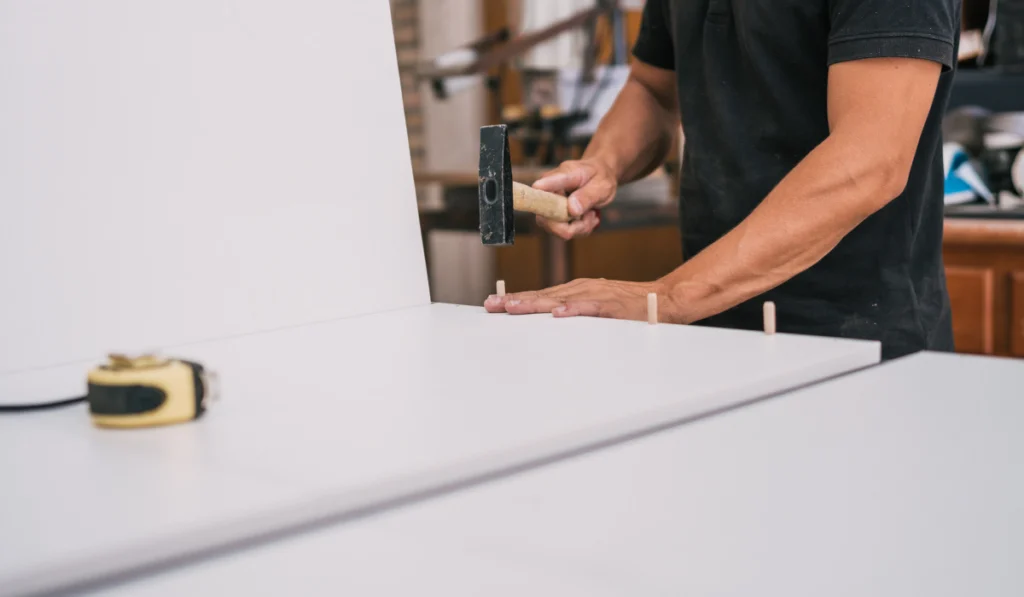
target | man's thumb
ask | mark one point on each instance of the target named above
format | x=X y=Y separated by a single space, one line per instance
x=567 y=178
x=584 y=199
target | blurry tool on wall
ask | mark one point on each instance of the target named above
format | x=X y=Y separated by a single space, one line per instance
x=460 y=69
x=565 y=91
x=559 y=100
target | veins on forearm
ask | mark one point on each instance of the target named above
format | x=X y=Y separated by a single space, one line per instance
x=799 y=223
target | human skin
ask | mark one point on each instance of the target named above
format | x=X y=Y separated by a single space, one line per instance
x=876 y=111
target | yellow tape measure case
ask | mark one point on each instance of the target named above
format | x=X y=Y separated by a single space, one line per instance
x=146 y=391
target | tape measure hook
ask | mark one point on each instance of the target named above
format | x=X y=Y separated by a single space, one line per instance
x=211 y=385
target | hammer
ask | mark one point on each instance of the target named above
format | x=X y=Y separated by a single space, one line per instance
x=499 y=196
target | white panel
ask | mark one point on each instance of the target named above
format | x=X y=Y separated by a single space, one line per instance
x=452 y=125
x=462 y=268
x=360 y=412
x=140 y=487
x=179 y=171
x=901 y=480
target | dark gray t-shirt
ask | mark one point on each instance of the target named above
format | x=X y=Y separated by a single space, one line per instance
x=752 y=82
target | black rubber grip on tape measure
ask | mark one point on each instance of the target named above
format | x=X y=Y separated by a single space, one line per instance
x=124 y=400
x=200 y=387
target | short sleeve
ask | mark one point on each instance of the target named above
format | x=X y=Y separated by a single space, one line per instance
x=654 y=42
x=926 y=29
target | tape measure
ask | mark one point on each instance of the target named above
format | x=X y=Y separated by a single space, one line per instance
x=146 y=391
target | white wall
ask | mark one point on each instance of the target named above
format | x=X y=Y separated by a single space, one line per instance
x=452 y=125
x=462 y=269
x=188 y=170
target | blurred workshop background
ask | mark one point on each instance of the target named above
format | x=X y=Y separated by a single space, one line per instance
x=551 y=68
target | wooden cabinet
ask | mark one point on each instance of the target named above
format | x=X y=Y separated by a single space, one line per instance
x=971 y=297
x=985 y=275
x=1017 y=314
x=640 y=255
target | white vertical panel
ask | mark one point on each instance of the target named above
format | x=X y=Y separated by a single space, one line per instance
x=174 y=171
x=462 y=268
x=452 y=125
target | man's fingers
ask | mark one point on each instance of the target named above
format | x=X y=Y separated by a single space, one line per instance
x=578 y=309
x=583 y=226
x=589 y=222
x=495 y=304
x=571 y=230
x=562 y=230
x=583 y=308
x=579 y=298
x=556 y=182
x=596 y=194
x=535 y=304
x=498 y=304
x=585 y=192
x=562 y=290
x=565 y=179
x=582 y=182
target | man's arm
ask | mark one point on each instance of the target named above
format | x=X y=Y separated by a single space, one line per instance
x=637 y=133
x=877 y=110
x=633 y=139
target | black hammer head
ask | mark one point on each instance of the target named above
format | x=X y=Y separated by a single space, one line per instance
x=497 y=220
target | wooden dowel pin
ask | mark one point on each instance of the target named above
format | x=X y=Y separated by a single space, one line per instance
x=501 y=288
x=652 y=308
x=769 y=318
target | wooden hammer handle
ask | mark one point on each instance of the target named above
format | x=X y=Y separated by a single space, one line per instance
x=549 y=205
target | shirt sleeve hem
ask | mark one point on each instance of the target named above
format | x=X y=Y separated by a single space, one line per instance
x=892 y=46
x=653 y=57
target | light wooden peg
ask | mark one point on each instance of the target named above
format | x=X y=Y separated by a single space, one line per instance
x=652 y=308
x=769 y=317
x=501 y=288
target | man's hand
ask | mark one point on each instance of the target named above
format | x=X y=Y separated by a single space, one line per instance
x=586 y=298
x=589 y=184
x=633 y=139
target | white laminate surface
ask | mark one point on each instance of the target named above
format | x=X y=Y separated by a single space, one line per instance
x=905 y=479
x=180 y=171
x=351 y=414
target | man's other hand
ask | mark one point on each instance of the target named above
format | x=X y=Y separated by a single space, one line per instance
x=590 y=185
x=587 y=298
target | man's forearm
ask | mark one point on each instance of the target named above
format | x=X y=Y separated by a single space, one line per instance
x=877 y=110
x=826 y=196
x=636 y=134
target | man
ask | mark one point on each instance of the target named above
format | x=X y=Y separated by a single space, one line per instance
x=812 y=170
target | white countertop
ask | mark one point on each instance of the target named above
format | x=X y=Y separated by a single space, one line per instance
x=904 y=479
x=327 y=420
